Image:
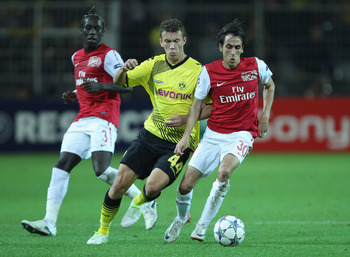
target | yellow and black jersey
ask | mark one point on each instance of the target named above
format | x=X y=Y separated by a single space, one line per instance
x=171 y=89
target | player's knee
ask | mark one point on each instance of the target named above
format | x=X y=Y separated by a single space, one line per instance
x=100 y=167
x=224 y=174
x=98 y=172
x=152 y=191
x=185 y=188
x=67 y=161
x=117 y=190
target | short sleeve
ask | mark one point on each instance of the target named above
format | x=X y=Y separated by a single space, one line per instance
x=141 y=74
x=72 y=58
x=264 y=71
x=113 y=62
x=203 y=84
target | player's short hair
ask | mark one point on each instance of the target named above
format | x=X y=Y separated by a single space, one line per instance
x=90 y=15
x=235 y=28
x=172 y=25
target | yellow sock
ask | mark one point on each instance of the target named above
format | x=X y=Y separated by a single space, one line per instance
x=140 y=199
x=110 y=208
x=107 y=215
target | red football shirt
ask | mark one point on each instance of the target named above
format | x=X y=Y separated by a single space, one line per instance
x=234 y=93
x=97 y=66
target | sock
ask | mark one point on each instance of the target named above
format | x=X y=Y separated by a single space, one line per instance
x=109 y=176
x=55 y=193
x=133 y=191
x=214 y=201
x=141 y=198
x=183 y=205
x=110 y=208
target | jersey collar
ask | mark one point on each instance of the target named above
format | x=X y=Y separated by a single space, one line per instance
x=176 y=65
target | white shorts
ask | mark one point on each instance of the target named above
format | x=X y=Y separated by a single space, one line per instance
x=214 y=146
x=89 y=135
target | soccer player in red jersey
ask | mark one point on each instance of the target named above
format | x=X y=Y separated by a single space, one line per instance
x=232 y=84
x=94 y=131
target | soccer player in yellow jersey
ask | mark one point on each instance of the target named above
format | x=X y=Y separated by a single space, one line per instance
x=170 y=80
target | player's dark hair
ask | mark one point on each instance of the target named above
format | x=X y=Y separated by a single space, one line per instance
x=235 y=28
x=90 y=15
x=172 y=25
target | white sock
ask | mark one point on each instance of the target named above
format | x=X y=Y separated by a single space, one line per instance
x=55 y=193
x=109 y=176
x=133 y=191
x=183 y=205
x=214 y=201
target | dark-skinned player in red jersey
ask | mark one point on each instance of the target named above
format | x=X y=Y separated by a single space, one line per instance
x=93 y=132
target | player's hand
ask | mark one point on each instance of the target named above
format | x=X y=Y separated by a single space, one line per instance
x=130 y=64
x=263 y=126
x=174 y=121
x=181 y=146
x=92 y=87
x=69 y=97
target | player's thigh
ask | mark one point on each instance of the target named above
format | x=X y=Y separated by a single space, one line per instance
x=76 y=141
x=139 y=159
x=238 y=144
x=205 y=158
x=172 y=164
x=103 y=136
x=227 y=166
x=156 y=181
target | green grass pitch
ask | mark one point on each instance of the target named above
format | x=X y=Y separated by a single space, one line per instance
x=291 y=204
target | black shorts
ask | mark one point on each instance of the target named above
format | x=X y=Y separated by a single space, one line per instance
x=148 y=152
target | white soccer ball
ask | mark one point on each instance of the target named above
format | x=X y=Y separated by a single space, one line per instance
x=229 y=231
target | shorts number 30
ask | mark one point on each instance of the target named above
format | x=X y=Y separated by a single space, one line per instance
x=242 y=148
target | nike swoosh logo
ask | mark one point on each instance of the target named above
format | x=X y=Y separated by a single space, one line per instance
x=220 y=84
x=75 y=65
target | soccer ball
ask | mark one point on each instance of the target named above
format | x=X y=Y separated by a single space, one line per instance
x=229 y=231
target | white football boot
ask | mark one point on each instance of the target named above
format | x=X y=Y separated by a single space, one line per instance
x=97 y=239
x=41 y=227
x=150 y=214
x=173 y=232
x=199 y=232
x=132 y=215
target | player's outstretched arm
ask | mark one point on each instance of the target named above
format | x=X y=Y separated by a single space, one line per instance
x=120 y=76
x=92 y=87
x=179 y=120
